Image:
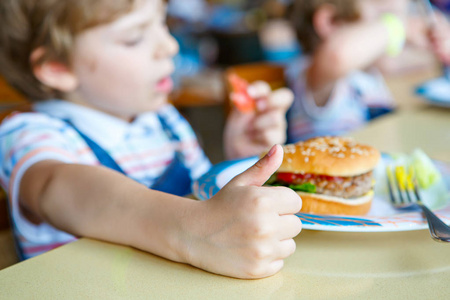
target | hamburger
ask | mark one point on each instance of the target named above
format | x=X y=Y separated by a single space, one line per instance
x=332 y=175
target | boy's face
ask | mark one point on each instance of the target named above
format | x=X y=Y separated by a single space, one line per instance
x=124 y=67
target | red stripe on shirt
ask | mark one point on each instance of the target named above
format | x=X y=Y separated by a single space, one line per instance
x=157 y=164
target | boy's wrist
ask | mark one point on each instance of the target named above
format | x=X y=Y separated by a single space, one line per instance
x=396 y=33
x=159 y=225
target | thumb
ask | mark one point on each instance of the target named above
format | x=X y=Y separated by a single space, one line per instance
x=261 y=171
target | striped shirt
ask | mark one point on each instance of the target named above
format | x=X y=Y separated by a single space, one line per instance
x=141 y=148
x=354 y=100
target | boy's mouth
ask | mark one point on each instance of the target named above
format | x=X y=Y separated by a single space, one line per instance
x=165 y=85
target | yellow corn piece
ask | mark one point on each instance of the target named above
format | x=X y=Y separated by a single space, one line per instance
x=409 y=179
x=400 y=174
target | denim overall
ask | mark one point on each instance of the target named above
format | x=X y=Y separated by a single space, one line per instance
x=175 y=180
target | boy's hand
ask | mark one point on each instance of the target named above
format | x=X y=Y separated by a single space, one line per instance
x=246 y=230
x=251 y=133
x=439 y=37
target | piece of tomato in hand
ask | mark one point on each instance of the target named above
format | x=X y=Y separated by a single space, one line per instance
x=239 y=95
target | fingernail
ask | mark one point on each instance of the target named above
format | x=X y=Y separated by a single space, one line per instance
x=252 y=91
x=272 y=150
x=261 y=104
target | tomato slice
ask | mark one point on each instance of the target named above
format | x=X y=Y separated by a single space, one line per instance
x=292 y=177
x=239 y=96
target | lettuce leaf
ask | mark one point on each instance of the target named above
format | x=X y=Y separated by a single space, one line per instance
x=424 y=169
x=304 y=187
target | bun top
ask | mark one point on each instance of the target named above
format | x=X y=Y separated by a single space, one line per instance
x=333 y=156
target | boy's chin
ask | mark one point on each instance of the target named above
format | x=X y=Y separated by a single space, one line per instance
x=158 y=102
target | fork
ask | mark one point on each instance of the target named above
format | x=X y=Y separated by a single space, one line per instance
x=404 y=193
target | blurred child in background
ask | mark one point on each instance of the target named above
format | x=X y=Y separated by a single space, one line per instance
x=443 y=5
x=105 y=156
x=336 y=83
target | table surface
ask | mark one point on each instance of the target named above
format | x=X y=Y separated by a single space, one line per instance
x=338 y=265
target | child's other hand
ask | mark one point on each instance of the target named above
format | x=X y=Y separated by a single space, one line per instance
x=251 y=133
x=269 y=124
x=246 y=230
x=439 y=37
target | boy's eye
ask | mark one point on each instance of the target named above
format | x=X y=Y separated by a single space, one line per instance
x=133 y=42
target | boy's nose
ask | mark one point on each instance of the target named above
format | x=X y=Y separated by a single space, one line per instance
x=168 y=47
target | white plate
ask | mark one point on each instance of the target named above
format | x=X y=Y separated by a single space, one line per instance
x=436 y=91
x=381 y=217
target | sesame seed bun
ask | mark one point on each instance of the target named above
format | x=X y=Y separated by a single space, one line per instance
x=329 y=205
x=333 y=156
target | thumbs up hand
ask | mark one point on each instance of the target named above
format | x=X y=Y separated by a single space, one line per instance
x=247 y=230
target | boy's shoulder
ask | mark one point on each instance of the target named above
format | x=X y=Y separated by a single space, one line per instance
x=16 y=120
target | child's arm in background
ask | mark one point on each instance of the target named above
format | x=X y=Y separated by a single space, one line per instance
x=428 y=40
x=429 y=28
x=438 y=35
x=353 y=46
x=251 y=133
x=244 y=231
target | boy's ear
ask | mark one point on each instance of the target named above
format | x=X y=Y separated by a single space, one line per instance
x=53 y=74
x=324 y=20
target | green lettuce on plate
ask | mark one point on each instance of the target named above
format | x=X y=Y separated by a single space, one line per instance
x=424 y=169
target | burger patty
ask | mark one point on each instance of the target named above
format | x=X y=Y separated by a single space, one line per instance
x=344 y=187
